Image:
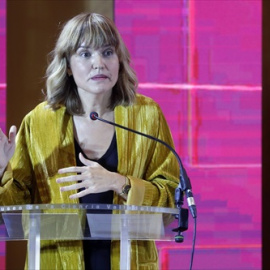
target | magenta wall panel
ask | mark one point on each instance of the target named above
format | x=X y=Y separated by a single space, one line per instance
x=2 y=64
x=226 y=41
x=158 y=51
x=2 y=93
x=201 y=61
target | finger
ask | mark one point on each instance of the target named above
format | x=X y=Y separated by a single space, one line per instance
x=72 y=187
x=71 y=178
x=86 y=161
x=80 y=194
x=12 y=134
x=71 y=170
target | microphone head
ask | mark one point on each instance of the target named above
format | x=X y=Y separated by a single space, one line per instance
x=94 y=115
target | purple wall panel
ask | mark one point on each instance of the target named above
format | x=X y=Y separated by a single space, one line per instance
x=2 y=64
x=226 y=41
x=2 y=93
x=158 y=51
x=2 y=41
x=227 y=125
x=201 y=61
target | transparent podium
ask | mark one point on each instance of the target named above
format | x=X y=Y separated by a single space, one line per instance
x=84 y=222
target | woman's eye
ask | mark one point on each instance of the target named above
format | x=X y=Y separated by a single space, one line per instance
x=85 y=54
x=108 y=52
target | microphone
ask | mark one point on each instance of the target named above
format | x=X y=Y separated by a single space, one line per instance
x=184 y=184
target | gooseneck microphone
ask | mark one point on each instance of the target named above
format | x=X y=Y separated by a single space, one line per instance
x=184 y=184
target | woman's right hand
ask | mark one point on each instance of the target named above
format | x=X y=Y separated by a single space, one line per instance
x=7 y=147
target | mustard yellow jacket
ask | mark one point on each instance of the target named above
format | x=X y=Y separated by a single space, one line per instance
x=45 y=143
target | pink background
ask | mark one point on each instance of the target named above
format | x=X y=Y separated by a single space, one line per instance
x=201 y=61
x=2 y=64
x=2 y=93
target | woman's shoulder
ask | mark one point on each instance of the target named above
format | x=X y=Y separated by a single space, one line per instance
x=145 y=104
x=43 y=111
x=143 y=107
x=145 y=100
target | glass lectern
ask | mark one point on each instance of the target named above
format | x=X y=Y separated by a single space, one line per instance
x=85 y=222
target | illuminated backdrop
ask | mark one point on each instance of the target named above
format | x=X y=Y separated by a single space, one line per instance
x=2 y=65
x=201 y=61
x=2 y=92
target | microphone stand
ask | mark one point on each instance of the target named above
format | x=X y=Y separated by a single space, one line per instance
x=184 y=184
x=182 y=216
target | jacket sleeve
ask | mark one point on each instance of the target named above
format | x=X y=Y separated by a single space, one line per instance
x=152 y=168
x=162 y=173
x=16 y=182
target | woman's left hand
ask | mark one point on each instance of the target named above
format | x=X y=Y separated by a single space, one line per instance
x=91 y=178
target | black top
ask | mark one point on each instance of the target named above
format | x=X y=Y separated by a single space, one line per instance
x=97 y=253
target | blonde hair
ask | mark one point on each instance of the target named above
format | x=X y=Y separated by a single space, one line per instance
x=97 y=31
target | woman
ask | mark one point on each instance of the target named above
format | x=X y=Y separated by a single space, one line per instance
x=62 y=156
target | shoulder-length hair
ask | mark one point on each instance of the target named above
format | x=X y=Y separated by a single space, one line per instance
x=97 y=31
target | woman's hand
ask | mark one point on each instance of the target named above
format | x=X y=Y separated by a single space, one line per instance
x=7 y=147
x=91 y=178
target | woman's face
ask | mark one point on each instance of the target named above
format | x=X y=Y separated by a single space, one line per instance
x=95 y=70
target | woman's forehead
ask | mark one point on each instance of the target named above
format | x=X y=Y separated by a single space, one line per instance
x=89 y=46
x=96 y=41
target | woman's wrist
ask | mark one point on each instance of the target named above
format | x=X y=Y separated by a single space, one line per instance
x=125 y=188
x=122 y=185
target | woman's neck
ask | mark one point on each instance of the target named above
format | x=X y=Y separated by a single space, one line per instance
x=96 y=103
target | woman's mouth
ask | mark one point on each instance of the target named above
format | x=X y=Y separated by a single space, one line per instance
x=99 y=77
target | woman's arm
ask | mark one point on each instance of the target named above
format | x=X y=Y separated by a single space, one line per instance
x=151 y=167
x=7 y=148
x=14 y=191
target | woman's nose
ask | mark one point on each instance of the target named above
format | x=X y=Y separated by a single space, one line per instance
x=97 y=62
